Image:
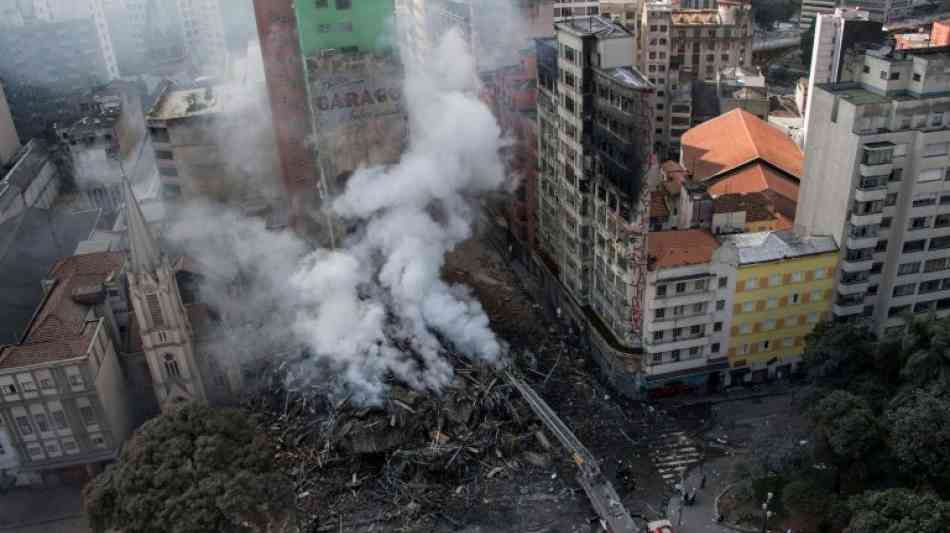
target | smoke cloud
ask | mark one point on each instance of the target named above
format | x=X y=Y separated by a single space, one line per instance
x=376 y=306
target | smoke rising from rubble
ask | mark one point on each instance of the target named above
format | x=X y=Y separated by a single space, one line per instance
x=376 y=306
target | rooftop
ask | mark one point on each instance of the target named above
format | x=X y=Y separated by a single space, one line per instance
x=777 y=245
x=185 y=103
x=669 y=249
x=628 y=76
x=755 y=204
x=601 y=27
x=736 y=138
x=62 y=326
x=755 y=176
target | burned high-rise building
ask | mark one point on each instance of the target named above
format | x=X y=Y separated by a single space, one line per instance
x=344 y=66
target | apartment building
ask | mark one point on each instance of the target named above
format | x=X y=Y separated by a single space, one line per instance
x=568 y=9
x=884 y=11
x=595 y=141
x=625 y=12
x=840 y=38
x=63 y=397
x=687 y=311
x=783 y=286
x=203 y=29
x=678 y=45
x=881 y=147
x=107 y=144
x=203 y=147
x=811 y=9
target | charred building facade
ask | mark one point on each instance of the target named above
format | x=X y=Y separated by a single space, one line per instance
x=595 y=120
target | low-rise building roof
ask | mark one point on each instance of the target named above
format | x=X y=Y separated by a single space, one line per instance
x=754 y=176
x=777 y=245
x=736 y=138
x=62 y=326
x=676 y=248
x=755 y=205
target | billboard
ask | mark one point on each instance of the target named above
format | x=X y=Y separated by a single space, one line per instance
x=359 y=115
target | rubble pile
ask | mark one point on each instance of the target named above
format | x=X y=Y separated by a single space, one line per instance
x=416 y=458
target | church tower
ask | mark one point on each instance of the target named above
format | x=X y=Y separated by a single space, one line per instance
x=166 y=332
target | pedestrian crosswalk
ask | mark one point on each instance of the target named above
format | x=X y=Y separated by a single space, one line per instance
x=672 y=451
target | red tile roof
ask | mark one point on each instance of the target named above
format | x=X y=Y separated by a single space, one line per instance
x=734 y=138
x=668 y=249
x=754 y=177
x=59 y=328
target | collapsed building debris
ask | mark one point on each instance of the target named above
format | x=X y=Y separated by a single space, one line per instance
x=401 y=461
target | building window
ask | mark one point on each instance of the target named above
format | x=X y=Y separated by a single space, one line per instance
x=766 y=345
x=657 y=357
x=171 y=366
x=155 y=309
x=723 y=282
x=9 y=389
x=160 y=134
x=714 y=348
x=751 y=283
x=745 y=329
x=657 y=335
x=41 y=422
x=695 y=330
x=343 y=4
x=35 y=450
x=59 y=419
x=97 y=440
x=675 y=355
x=788 y=342
x=936 y=149
x=46 y=383
x=69 y=445
x=890 y=199
x=768 y=325
x=720 y=305
x=168 y=171
x=916 y=76
x=907 y=269
x=164 y=154
x=897 y=174
x=793 y=298
x=717 y=327
x=772 y=302
x=914 y=246
x=748 y=307
x=812 y=318
x=798 y=277
x=661 y=290
x=939 y=243
x=23 y=423
x=660 y=314
x=878 y=156
x=680 y=287
x=919 y=223
x=88 y=415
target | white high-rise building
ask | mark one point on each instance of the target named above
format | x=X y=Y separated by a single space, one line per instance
x=203 y=29
x=67 y=10
x=835 y=35
x=567 y=9
x=877 y=163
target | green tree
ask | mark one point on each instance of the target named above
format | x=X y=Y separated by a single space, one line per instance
x=196 y=469
x=836 y=352
x=919 y=426
x=927 y=350
x=846 y=424
x=898 y=511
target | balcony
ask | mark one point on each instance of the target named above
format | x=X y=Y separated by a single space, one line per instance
x=858 y=264
x=857 y=242
x=853 y=288
x=880 y=169
x=866 y=219
x=871 y=193
x=847 y=309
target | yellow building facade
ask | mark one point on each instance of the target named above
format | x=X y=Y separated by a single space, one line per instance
x=784 y=286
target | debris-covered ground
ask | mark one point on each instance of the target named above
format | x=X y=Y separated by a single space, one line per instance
x=475 y=458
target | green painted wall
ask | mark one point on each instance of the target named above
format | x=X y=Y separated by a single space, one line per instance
x=328 y=27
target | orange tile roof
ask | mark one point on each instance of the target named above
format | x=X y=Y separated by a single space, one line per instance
x=734 y=138
x=754 y=177
x=59 y=328
x=668 y=249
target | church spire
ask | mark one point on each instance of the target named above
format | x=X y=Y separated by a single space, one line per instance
x=145 y=253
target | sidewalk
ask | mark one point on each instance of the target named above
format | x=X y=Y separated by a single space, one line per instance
x=42 y=509
x=701 y=516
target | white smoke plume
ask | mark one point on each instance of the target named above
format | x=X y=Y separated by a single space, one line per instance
x=376 y=306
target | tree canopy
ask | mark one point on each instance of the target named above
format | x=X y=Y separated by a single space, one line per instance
x=919 y=425
x=898 y=511
x=197 y=469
